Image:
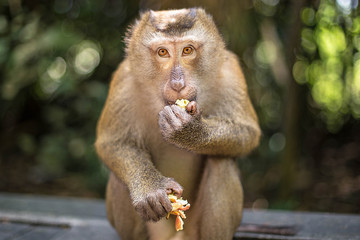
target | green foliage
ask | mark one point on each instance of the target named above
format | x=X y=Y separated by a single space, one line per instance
x=55 y=80
x=329 y=63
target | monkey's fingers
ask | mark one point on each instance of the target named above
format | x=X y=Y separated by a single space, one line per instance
x=172 y=187
x=192 y=108
x=181 y=114
x=166 y=205
x=177 y=193
x=146 y=211
x=171 y=118
x=159 y=204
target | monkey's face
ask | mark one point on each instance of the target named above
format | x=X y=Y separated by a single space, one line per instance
x=175 y=54
x=176 y=62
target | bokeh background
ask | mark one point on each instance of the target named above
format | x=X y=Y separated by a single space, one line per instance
x=302 y=63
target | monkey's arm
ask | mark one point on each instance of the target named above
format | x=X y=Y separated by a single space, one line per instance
x=120 y=147
x=223 y=137
x=229 y=128
x=213 y=135
x=147 y=187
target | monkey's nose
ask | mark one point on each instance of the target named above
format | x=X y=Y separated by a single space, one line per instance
x=177 y=84
x=177 y=78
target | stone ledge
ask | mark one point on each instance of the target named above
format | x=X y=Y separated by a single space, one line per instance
x=62 y=218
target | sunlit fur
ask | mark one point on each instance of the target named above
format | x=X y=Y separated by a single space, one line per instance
x=139 y=137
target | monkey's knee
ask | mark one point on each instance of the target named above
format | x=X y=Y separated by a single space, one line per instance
x=229 y=189
x=109 y=202
x=222 y=199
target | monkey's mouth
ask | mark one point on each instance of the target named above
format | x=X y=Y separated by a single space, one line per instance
x=172 y=102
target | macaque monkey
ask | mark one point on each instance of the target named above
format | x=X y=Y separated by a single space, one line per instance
x=154 y=147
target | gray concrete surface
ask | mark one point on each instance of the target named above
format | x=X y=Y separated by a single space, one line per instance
x=31 y=217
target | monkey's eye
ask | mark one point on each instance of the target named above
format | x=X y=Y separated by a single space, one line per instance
x=187 y=50
x=162 y=52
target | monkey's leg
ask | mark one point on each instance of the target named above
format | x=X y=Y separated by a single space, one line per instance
x=121 y=212
x=218 y=208
x=109 y=202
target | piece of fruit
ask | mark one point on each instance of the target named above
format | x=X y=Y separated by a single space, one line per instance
x=179 y=205
x=182 y=103
x=179 y=223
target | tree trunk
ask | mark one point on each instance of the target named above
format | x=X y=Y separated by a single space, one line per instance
x=292 y=104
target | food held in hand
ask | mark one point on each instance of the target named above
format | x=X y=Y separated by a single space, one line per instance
x=182 y=103
x=178 y=207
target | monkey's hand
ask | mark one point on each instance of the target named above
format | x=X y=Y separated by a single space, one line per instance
x=173 y=119
x=155 y=204
x=227 y=135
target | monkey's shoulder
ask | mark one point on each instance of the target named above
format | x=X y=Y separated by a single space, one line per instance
x=231 y=59
x=119 y=76
x=119 y=90
x=122 y=71
x=231 y=68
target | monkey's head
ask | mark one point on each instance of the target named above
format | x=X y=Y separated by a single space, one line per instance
x=175 y=54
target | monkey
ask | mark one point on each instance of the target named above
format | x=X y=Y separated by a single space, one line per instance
x=153 y=147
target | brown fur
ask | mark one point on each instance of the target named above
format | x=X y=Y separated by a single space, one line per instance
x=153 y=147
x=184 y=21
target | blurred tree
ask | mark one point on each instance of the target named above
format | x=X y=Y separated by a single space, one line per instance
x=328 y=63
x=56 y=59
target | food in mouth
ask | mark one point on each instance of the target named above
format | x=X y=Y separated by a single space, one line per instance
x=182 y=103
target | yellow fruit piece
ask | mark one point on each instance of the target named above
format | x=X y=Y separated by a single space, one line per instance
x=182 y=103
x=178 y=207
x=172 y=198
